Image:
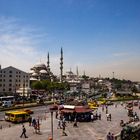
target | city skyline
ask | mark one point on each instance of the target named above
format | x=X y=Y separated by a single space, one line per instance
x=98 y=36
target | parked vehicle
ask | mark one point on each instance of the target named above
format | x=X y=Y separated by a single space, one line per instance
x=135 y=103
x=7 y=115
x=28 y=111
x=7 y=104
x=17 y=116
x=109 y=103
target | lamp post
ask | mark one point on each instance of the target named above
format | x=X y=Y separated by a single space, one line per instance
x=23 y=92
x=52 y=109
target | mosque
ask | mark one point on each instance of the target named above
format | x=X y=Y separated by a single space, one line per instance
x=40 y=71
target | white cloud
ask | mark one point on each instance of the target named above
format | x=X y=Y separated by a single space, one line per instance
x=121 y=54
x=19 y=44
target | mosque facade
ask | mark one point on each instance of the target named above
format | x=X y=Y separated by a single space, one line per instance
x=40 y=71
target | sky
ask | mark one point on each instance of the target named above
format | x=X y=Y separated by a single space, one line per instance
x=97 y=36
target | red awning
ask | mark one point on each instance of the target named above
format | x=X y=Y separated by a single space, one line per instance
x=67 y=110
x=82 y=109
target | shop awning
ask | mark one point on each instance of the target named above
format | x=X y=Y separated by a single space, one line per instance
x=67 y=110
x=82 y=109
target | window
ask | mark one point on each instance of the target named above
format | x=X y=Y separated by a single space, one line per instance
x=10 y=85
x=3 y=89
x=24 y=76
x=10 y=71
x=10 y=75
x=3 y=85
x=3 y=75
x=0 y=80
x=3 y=80
x=0 y=85
x=10 y=89
x=4 y=72
x=10 y=80
x=0 y=75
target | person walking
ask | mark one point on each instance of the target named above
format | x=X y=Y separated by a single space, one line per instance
x=110 y=116
x=108 y=136
x=99 y=115
x=23 y=132
x=112 y=137
x=30 y=121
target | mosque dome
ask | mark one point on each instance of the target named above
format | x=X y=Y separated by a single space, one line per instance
x=33 y=79
x=34 y=74
x=40 y=65
x=43 y=71
x=31 y=71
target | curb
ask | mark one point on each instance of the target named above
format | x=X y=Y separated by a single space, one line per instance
x=25 y=106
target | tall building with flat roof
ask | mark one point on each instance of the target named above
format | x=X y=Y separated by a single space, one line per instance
x=13 y=79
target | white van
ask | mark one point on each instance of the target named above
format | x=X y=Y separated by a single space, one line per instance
x=7 y=103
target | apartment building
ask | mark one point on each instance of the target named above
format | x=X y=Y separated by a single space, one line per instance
x=12 y=80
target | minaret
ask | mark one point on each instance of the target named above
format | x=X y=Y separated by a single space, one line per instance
x=84 y=73
x=61 y=66
x=77 y=72
x=48 y=62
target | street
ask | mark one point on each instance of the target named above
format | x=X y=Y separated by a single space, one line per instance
x=96 y=130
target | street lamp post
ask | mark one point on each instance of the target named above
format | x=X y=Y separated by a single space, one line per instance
x=52 y=109
x=52 y=124
x=23 y=92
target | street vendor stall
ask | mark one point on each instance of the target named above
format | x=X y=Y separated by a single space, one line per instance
x=80 y=113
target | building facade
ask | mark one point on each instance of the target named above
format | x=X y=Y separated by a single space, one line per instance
x=12 y=80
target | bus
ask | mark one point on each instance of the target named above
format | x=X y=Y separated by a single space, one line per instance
x=7 y=115
x=17 y=116
x=7 y=98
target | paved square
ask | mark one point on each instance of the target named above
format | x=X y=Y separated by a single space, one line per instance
x=96 y=130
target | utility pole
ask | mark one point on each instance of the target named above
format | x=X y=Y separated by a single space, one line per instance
x=23 y=91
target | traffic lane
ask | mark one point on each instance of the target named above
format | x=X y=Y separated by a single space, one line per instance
x=37 y=110
x=41 y=112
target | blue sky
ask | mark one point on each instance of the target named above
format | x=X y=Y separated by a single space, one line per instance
x=98 y=36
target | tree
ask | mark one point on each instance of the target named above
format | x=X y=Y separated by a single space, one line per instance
x=134 y=90
x=36 y=85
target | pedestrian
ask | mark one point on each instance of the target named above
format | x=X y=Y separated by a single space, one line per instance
x=112 y=137
x=30 y=120
x=1 y=127
x=75 y=123
x=109 y=136
x=102 y=107
x=99 y=115
x=59 y=124
x=63 y=130
x=96 y=115
x=38 y=125
x=23 y=132
x=92 y=117
x=110 y=116
x=106 y=110
x=107 y=116
x=56 y=114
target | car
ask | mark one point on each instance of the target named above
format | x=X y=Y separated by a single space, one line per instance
x=135 y=103
x=109 y=103
x=28 y=111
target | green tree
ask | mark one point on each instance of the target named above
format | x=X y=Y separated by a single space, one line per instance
x=36 y=85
